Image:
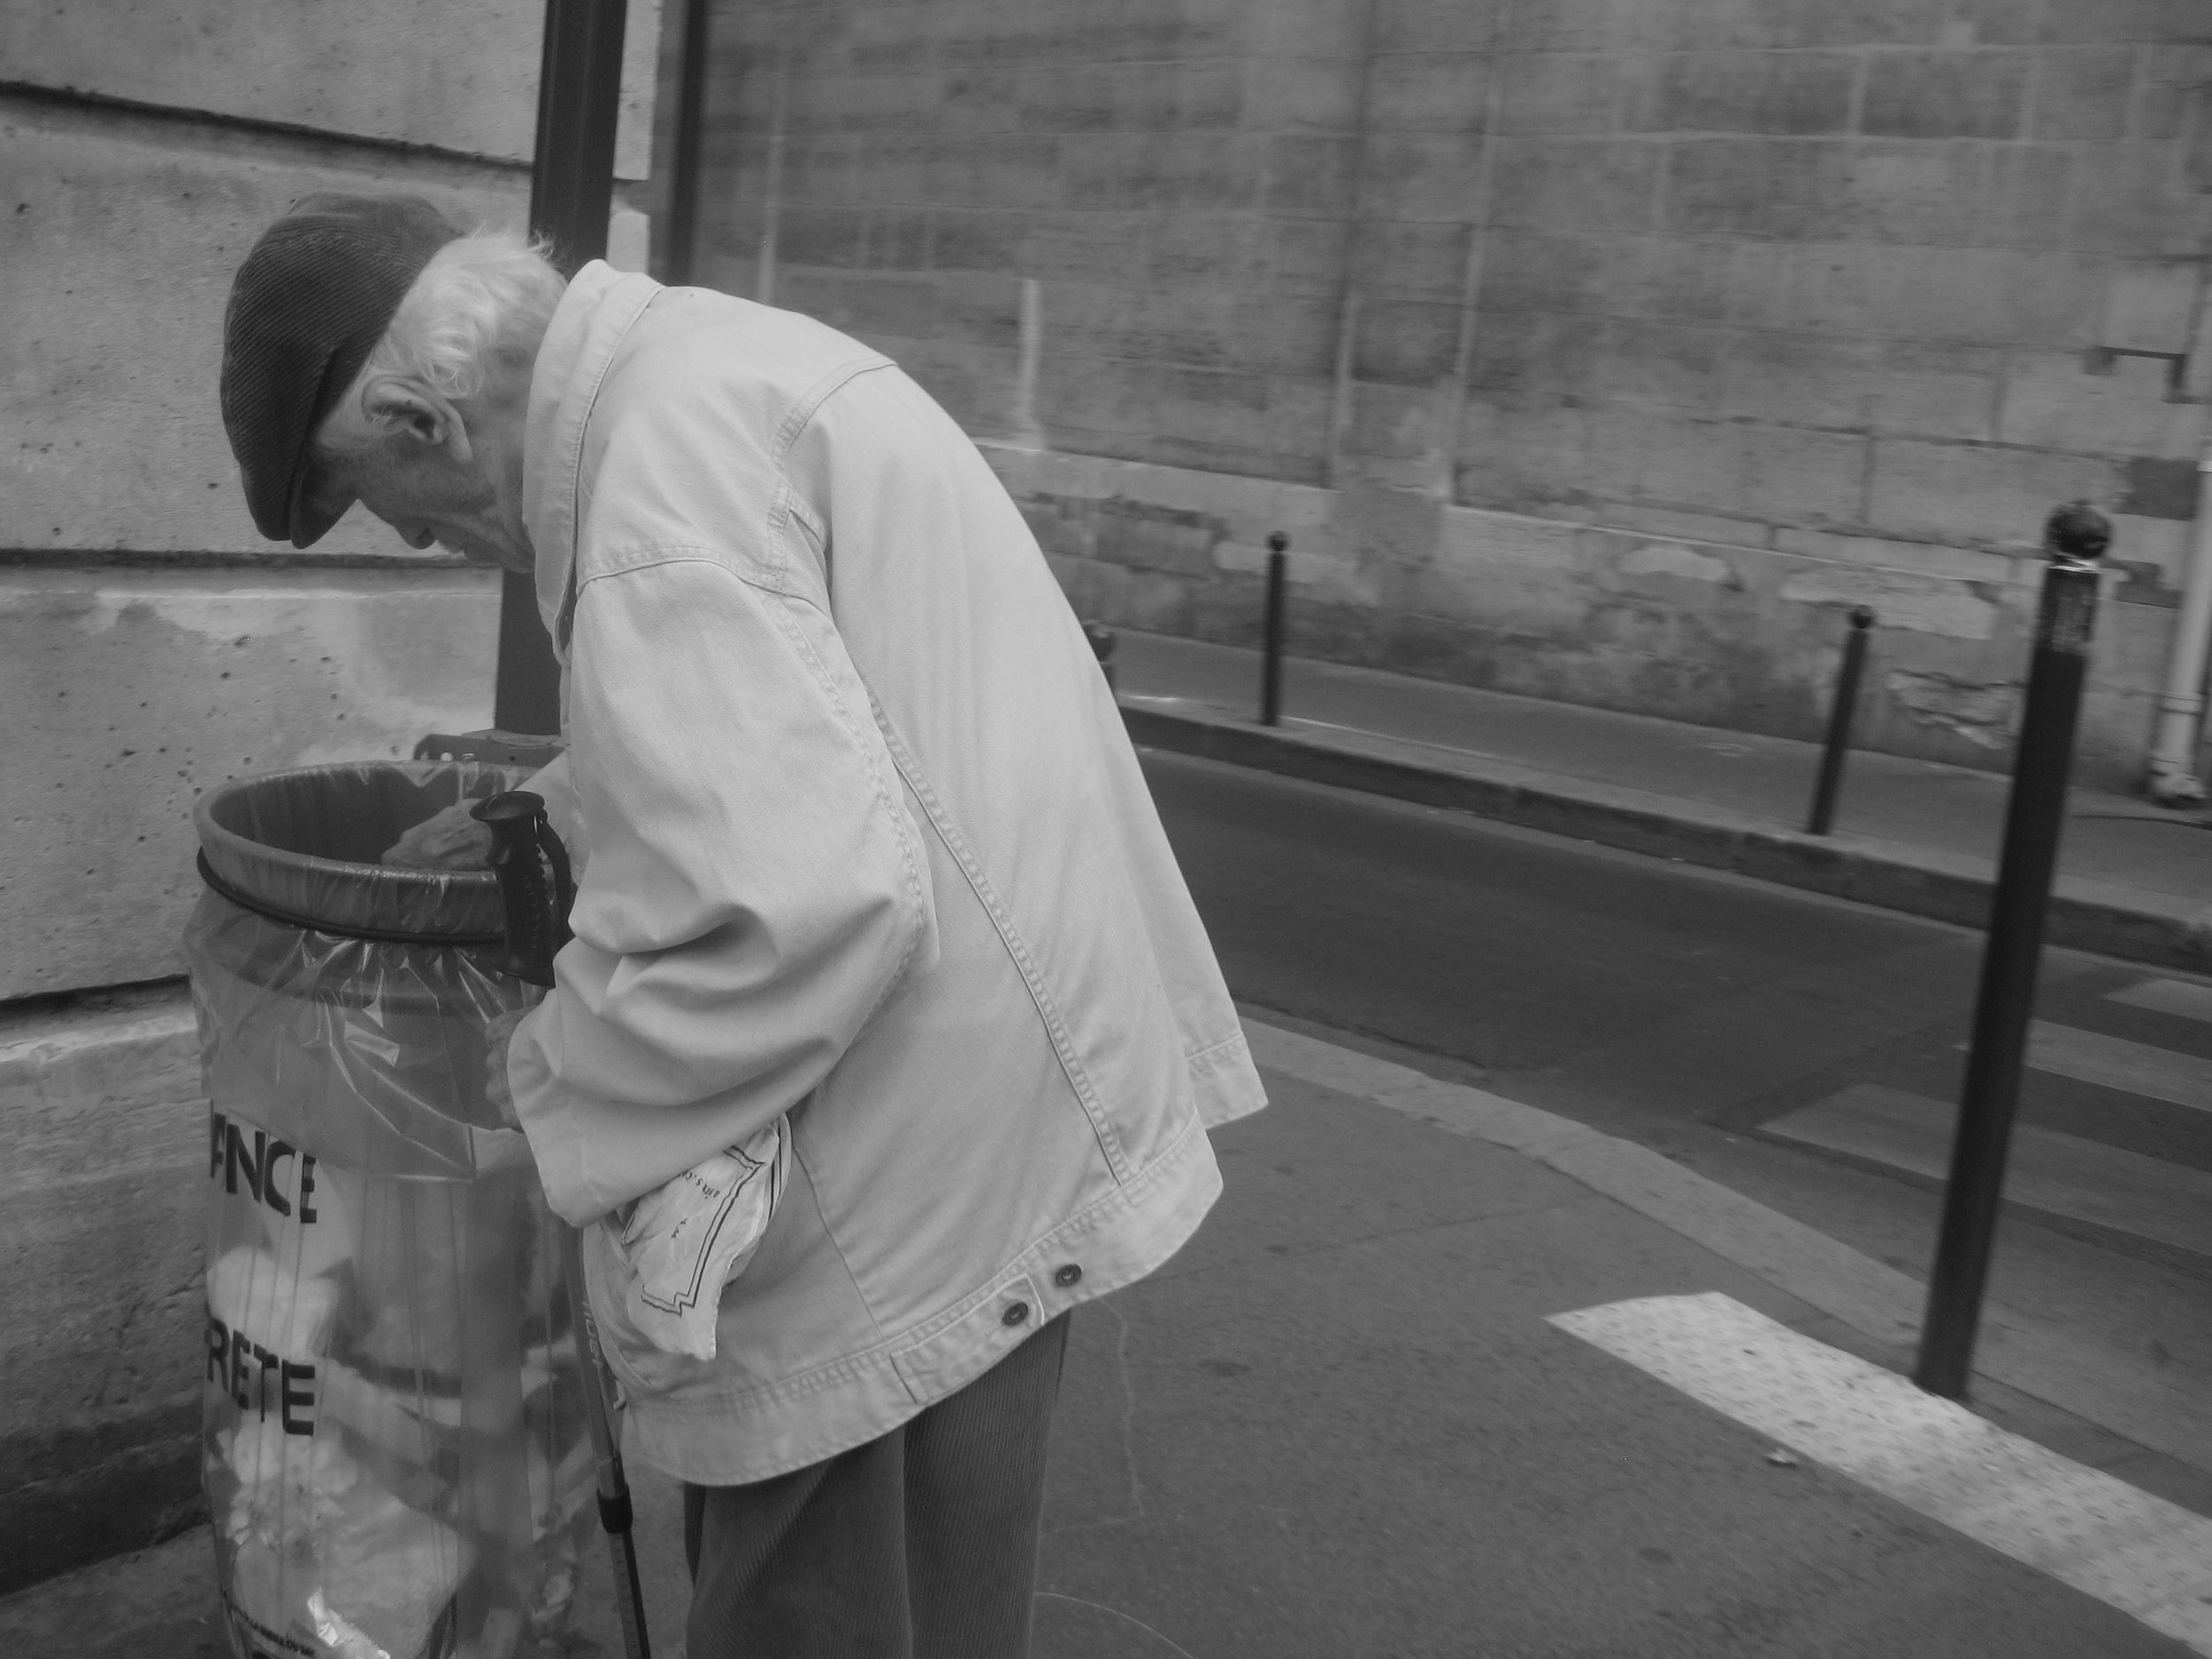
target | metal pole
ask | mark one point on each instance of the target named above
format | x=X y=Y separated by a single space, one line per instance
x=1839 y=720
x=1272 y=647
x=572 y=191
x=681 y=242
x=2075 y=538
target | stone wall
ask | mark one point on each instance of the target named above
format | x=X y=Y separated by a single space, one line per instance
x=152 y=644
x=1629 y=342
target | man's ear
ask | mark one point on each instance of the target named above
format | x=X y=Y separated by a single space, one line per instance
x=409 y=410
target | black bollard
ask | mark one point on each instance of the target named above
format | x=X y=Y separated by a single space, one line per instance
x=1101 y=639
x=2074 y=539
x=1272 y=647
x=1839 y=720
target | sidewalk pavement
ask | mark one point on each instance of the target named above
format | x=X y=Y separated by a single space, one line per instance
x=1443 y=1375
x=2135 y=880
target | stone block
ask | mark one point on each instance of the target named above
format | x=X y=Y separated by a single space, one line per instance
x=1907 y=190
x=2097 y=404
x=1131 y=97
x=1945 y=93
x=1434 y=25
x=1302 y=94
x=1207 y=250
x=1335 y=29
x=101 y=1127
x=1784 y=187
x=1417 y=176
x=1583 y=26
x=1640 y=364
x=864 y=303
x=1688 y=526
x=1405 y=342
x=965 y=240
x=1062 y=246
x=1144 y=536
x=1536 y=360
x=2082 y=92
x=1977 y=495
x=1870 y=385
x=1308 y=174
x=135 y=689
x=120 y=249
x=460 y=77
x=1797 y=92
x=1782 y=23
x=1411 y=261
x=1595 y=184
x=1309 y=255
x=1428 y=92
x=2176 y=22
x=1518 y=460
x=2131 y=204
x=2172 y=92
x=1921 y=558
x=1962 y=296
x=1569 y=93
x=901 y=100
x=2153 y=307
x=971 y=97
x=1293 y=334
x=1790 y=475
x=834 y=236
x=2156 y=488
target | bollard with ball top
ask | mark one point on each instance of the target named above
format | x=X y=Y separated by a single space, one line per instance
x=2075 y=538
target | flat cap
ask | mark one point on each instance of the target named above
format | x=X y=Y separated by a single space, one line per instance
x=306 y=309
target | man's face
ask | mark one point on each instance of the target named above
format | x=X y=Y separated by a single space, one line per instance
x=432 y=475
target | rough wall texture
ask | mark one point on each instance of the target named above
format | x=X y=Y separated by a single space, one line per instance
x=152 y=644
x=1763 y=308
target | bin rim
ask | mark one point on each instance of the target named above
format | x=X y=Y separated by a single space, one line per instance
x=378 y=901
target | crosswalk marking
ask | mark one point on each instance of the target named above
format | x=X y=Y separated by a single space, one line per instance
x=2168 y=996
x=2062 y=1174
x=2090 y=1056
x=2150 y=1559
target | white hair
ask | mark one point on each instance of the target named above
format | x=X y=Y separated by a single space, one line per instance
x=483 y=296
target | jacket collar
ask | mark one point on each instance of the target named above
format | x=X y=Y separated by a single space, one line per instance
x=588 y=327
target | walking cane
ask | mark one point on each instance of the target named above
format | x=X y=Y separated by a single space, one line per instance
x=537 y=926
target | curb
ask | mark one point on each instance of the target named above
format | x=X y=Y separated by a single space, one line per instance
x=2092 y=915
x=2139 y=1404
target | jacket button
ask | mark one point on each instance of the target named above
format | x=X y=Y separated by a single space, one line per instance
x=1066 y=1276
x=1016 y=1312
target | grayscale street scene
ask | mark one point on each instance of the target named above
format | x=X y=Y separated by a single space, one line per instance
x=1251 y=829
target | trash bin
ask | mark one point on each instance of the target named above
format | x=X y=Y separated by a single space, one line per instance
x=396 y=1455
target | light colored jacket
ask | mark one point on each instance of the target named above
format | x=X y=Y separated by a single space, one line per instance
x=861 y=838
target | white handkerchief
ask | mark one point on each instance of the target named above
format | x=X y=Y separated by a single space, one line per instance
x=685 y=1240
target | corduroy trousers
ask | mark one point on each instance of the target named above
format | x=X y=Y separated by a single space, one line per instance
x=921 y=1544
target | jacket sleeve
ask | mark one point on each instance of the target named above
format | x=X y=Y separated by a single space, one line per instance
x=755 y=890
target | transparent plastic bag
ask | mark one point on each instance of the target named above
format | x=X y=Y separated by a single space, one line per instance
x=395 y=1454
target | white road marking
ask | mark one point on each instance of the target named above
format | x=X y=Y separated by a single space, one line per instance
x=2149 y=1558
x=2137 y=1068
x=2066 y=1175
x=2168 y=996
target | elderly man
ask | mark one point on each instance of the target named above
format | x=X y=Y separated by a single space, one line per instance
x=864 y=848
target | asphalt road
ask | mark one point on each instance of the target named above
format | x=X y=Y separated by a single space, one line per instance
x=1720 y=1020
